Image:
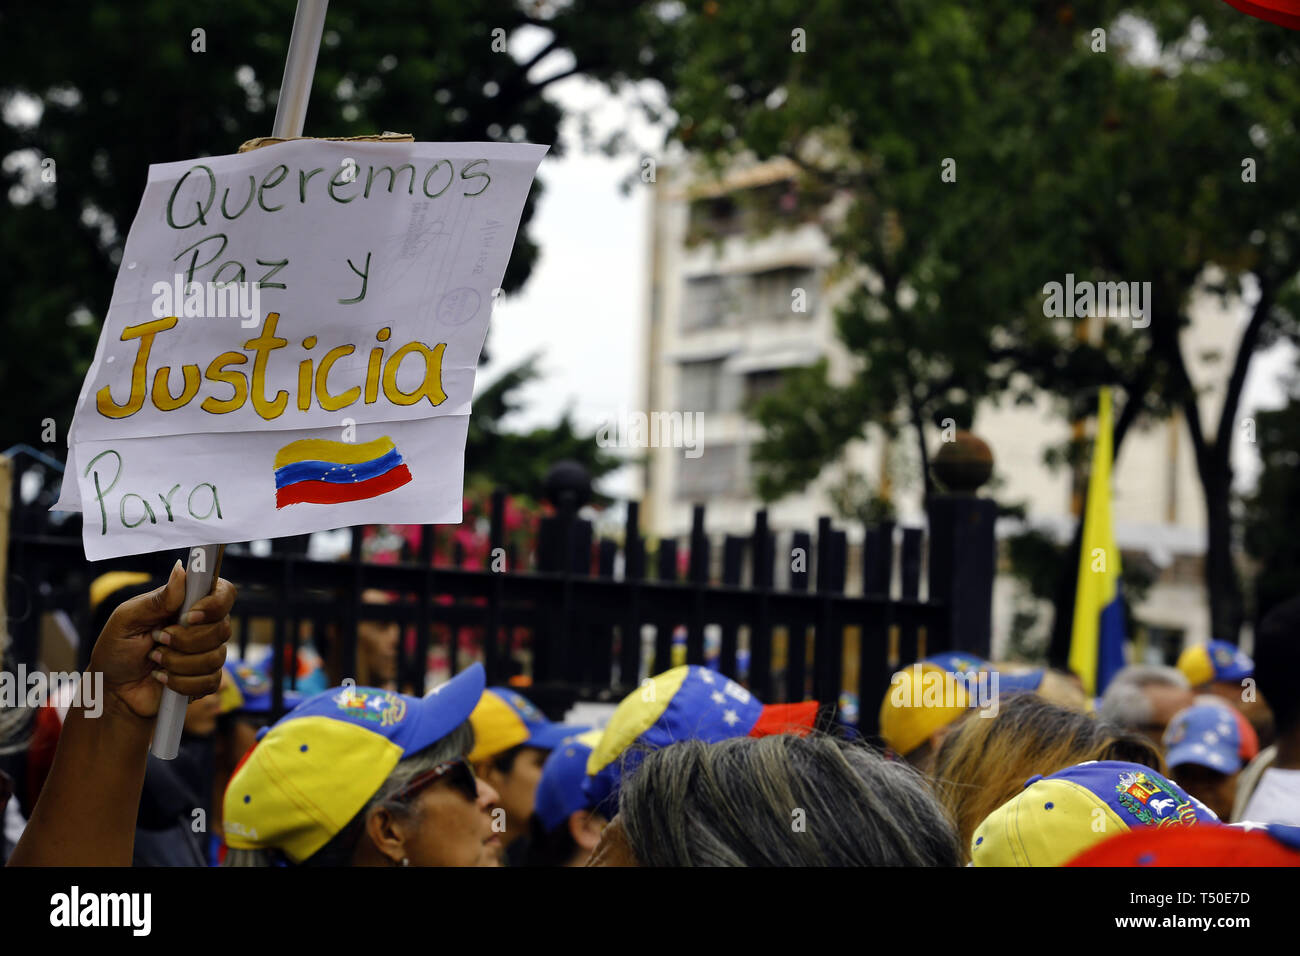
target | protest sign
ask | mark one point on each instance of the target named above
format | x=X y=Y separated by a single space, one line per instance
x=292 y=342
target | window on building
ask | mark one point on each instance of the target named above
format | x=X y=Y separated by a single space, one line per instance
x=719 y=471
x=702 y=386
x=706 y=302
x=773 y=295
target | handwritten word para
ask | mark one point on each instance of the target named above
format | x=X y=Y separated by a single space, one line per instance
x=198 y=498
x=246 y=388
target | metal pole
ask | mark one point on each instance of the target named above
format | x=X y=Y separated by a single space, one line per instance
x=290 y=114
x=299 y=68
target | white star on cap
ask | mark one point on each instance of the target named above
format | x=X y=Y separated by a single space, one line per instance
x=706 y=676
x=731 y=718
x=718 y=698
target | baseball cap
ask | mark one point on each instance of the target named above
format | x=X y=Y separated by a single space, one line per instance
x=1205 y=735
x=685 y=703
x=908 y=717
x=319 y=764
x=505 y=718
x=1284 y=13
x=959 y=662
x=249 y=690
x=1055 y=818
x=1180 y=846
x=559 y=791
x=1217 y=660
x=111 y=581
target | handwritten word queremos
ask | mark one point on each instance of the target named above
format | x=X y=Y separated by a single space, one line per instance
x=312 y=382
x=436 y=181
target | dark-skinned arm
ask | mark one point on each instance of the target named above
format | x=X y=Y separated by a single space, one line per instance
x=87 y=809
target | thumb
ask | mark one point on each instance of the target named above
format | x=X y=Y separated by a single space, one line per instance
x=160 y=606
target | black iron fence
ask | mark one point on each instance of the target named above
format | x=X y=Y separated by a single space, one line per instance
x=775 y=611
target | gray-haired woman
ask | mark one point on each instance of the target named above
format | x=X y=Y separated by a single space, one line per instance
x=783 y=800
x=362 y=776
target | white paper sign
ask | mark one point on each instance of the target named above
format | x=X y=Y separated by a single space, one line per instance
x=292 y=342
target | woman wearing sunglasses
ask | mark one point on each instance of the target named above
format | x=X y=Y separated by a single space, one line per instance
x=359 y=776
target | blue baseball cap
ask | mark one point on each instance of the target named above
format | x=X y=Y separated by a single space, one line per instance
x=505 y=718
x=1206 y=735
x=321 y=763
x=686 y=703
x=958 y=662
x=1020 y=680
x=1058 y=817
x=559 y=791
x=249 y=690
x=1215 y=661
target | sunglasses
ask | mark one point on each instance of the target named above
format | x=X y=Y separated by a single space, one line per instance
x=458 y=773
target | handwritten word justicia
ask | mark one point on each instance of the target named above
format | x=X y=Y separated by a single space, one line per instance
x=313 y=377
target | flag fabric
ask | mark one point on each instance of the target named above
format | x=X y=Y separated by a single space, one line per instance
x=1097 y=640
x=324 y=472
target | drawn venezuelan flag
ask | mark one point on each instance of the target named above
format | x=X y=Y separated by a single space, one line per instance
x=322 y=472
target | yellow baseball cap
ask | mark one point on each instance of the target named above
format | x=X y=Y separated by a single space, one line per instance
x=320 y=764
x=505 y=718
x=1057 y=817
x=106 y=584
x=920 y=701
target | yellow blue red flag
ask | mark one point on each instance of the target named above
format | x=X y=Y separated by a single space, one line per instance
x=1097 y=640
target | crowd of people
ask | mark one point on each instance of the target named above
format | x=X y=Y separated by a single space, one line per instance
x=1195 y=762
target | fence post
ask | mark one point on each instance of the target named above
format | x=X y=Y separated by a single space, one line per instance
x=560 y=542
x=699 y=580
x=963 y=549
x=629 y=657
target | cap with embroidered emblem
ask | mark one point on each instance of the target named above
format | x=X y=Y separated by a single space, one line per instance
x=319 y=764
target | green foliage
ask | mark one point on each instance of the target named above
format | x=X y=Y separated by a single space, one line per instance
x=118 y=87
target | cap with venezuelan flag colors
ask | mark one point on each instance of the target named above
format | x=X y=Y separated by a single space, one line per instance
x=1235 y=845
x=1054 y=818
x=686 y=703
x=908 y=716
x=1215 y=661
x=505 y=718
x=1206 y=735
x=248 y=690
x=559 y=791
x=316 y=768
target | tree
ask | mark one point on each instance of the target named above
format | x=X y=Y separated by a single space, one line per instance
x=519 y=461
x=103 y=90
x=985 y=150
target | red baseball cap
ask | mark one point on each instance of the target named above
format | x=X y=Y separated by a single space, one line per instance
x=1285 y=13
x=1189 y=846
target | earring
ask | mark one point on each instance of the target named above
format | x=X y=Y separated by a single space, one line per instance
x=406 y=861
